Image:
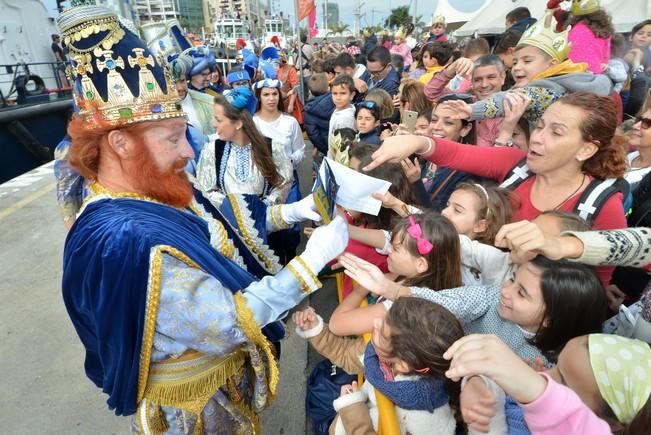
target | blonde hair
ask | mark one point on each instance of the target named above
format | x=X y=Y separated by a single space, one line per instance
x=382 y=99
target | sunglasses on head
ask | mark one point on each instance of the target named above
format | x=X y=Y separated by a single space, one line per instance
x=645 y=123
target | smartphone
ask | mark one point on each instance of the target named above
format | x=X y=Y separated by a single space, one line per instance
x=409 y=118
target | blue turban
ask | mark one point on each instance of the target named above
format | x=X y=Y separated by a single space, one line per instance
x=241 y=98
x=238 y=75
x=249 y=61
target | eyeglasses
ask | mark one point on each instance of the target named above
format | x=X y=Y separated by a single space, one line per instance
x=377 y=73
x=645 y=123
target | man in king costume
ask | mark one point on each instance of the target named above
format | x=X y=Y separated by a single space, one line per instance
x=168 y=291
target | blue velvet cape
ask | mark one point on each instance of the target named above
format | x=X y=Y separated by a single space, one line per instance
x=105 y=279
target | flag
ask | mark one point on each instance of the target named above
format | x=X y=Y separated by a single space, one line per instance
x=324 y=192
x=312 y=23
x=305 y=7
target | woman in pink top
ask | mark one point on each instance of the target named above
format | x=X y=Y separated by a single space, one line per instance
x=573 y=143
x=590 y=35
x=601 y=385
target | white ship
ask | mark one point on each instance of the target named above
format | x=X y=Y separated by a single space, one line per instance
x=228 y=30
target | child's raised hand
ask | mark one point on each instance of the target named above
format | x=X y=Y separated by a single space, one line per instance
x=488 y=355
x=461 y=109
x=516 y=104
x=462 y=66
x=477 y=404
x=348 y=389
x=396 y=101
x=367 y=275
x=388 y=200
x=308 y=231
x=411 y=169
x=305 y=319
x=526 y=239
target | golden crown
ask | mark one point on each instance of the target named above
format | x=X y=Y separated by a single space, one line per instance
x=116 y=80
x=438 y=19
x=543 y=36
x=584 y=7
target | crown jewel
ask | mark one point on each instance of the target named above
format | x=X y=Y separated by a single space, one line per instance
x=584 y=7
x=116 y=80
x=542 y=36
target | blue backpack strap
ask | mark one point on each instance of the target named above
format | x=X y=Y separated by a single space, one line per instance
x=517 y=175
x=597 y=194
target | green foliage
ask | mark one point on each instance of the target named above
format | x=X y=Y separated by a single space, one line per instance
x=398 y=18
x=338 y=28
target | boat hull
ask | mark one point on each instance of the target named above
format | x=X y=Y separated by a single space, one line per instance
x=29 y=134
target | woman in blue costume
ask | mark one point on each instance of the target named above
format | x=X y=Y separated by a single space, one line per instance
x=162 y=286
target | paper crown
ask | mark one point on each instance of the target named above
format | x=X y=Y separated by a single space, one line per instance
x=584 y=7
x=400 y=34
x=542 y=36
x=438 y=19
x=116 y=80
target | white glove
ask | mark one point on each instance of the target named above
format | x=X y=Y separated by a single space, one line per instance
x=303 y=210
x=325 y=244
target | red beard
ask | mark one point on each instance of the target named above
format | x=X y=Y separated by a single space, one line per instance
x=170 y=186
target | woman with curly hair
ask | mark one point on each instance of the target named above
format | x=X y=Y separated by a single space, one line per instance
x=592 y=29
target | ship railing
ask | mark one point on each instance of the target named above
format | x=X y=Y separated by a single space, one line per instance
x=23 y=81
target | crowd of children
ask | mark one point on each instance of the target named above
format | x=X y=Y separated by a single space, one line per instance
x=527 y=324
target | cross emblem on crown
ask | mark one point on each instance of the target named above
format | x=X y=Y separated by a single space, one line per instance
x=108 y=62
x=140 y=59
x=82 y=66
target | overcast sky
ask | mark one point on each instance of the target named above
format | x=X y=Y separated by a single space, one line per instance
x=376 y=11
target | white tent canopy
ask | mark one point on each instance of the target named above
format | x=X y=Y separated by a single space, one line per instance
x=625 y=14
x=454 y=15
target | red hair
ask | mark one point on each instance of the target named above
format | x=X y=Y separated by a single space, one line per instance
x=86 y=141
x=599 y=126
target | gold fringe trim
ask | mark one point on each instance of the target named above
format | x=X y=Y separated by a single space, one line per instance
x=251 y=329
x=192 y=393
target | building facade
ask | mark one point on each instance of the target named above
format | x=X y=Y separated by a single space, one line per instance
x=333 y=13
x=155 y=10
x=191 y=14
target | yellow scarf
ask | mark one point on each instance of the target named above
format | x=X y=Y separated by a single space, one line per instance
x=566 y=67
x=431 y=70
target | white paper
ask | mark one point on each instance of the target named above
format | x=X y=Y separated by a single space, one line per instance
x=355 y=188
